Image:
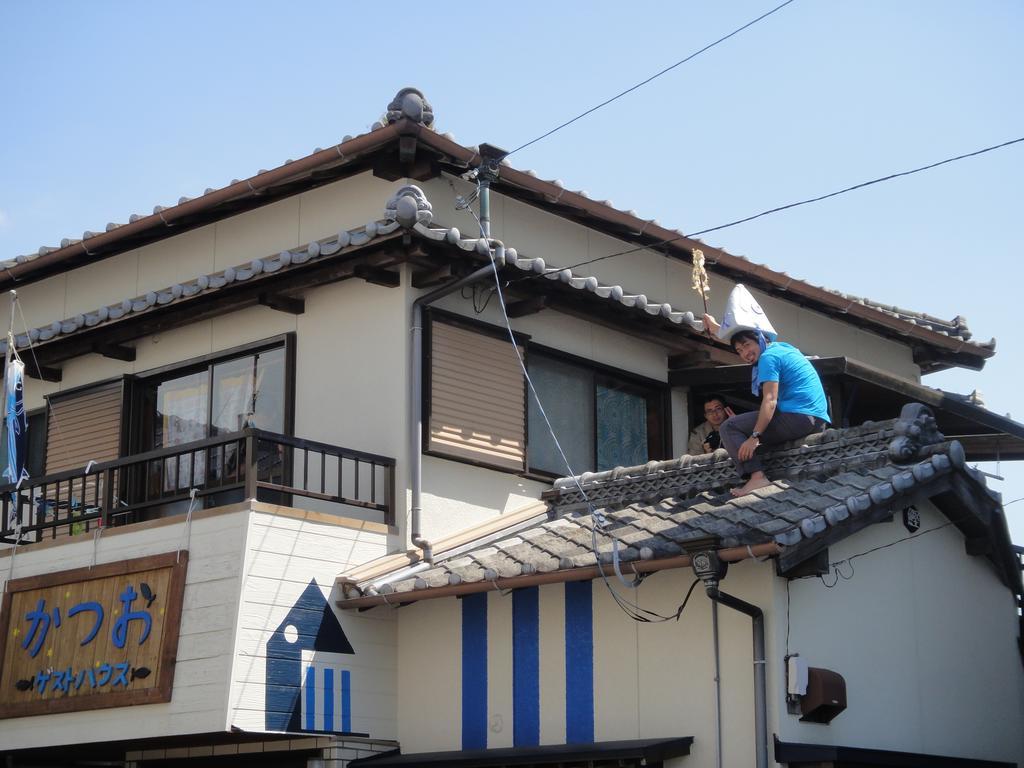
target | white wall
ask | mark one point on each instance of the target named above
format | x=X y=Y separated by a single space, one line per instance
x=353 y=340
x=925 y=637
x=205 y=645
x=282 y=556
x=562 y=243
x=650 y=680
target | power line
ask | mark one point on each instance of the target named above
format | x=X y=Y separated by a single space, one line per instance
x=858 y=186
x=642 y=83
x=863 y=184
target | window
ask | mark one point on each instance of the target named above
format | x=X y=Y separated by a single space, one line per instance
x=204 y=400
x=479 y=410
x=602 y=419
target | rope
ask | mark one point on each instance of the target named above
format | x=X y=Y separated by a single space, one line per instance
x=186 y=533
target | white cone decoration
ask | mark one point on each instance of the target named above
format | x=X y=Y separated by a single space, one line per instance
x=743 y=313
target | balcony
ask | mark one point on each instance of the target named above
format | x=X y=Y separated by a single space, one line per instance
x=250 y=464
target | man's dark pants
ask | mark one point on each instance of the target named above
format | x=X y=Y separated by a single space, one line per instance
x=782 y=428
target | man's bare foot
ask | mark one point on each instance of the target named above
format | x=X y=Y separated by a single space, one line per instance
x=757 y=480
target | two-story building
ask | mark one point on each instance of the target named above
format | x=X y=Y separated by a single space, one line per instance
x=293 y=498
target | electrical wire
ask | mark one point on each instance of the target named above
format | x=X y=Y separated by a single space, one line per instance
x=655 y=76
x=777 y=209
x=598 y=519
x=836 y=566
x=857 y=186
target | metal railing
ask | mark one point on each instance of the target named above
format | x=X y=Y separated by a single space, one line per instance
x=251 y=464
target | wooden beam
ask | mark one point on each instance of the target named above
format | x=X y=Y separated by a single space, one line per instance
x=41 y=371
x=432 y=278
x=697 y=358
x=115 y=352
x=527 y=306
x=378 y=276
x=231 y=298
x=282 y=303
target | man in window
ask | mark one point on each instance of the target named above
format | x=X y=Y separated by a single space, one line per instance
x=704 y=438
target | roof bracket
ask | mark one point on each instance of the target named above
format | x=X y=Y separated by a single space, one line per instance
x=432 y=278
x=115 y=352
x=36 y=371
x=283 y=303
x=527 y=306
x=378 y=276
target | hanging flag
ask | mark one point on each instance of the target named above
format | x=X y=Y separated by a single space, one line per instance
x=16 y=430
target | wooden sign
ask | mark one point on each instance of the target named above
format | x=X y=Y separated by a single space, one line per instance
x=91 y=638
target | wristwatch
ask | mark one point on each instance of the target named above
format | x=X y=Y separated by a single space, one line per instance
x=756 y=435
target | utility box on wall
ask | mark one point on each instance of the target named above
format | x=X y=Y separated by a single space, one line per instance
x=825 y=697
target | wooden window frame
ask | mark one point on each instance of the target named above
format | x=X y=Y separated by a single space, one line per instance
x=659 y=391
x=132 y=436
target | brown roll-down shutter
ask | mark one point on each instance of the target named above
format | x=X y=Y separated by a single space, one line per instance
x=476 y=398
x=84 y=427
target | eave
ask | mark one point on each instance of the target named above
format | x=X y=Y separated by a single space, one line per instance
x=406 y=148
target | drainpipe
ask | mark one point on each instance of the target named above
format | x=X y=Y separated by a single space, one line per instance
x=711 y=570
x=491 y=158
x=718 y=685
x=416 y=399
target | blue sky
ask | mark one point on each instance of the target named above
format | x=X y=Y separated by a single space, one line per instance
x=110 y=108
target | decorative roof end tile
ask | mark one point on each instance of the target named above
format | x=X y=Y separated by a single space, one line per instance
x=412 y=104
x=408 y=206
x=915 y=430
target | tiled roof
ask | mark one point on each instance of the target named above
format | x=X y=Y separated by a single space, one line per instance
x=410 y=106
x=825 y=488
x=418 y=223
x=955 y=328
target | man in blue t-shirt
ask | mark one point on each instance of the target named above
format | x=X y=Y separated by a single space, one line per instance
x=792 y=403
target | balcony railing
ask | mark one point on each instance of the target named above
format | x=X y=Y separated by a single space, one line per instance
x=251 y=464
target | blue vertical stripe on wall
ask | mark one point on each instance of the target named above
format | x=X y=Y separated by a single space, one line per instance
x=579 y=662
x=525 y=667
x=310 y=698
x=346 y=701
x=328 y=699
x=474 y=671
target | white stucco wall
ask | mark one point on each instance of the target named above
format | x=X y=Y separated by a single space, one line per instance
x=205 y=645
x=246 y=571
x=926 y=639
x=353 y=346
x=649 y=680
x=283 y=555
x=562 y=243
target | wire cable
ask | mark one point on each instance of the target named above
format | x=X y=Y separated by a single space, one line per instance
x=786 y=207
x=597 y=518
x=655 y=76
x=857 y=186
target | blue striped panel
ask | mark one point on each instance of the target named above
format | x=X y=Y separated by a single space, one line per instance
x=328 y=699
x=310 y=698
x=346 y=701
x=474 y=671
x=526 y=667
x=579 y=662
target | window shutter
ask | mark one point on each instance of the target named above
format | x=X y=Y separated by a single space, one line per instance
x=84 y=427
x=476 y=398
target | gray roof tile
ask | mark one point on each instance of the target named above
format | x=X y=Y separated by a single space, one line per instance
x=791 y=512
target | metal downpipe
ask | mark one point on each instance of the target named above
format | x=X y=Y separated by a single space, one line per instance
x=416 y=379
x=760 y=677
x=416 y=401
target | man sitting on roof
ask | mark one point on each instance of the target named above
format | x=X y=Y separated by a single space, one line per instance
x=705 y=437
x=792 y=399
